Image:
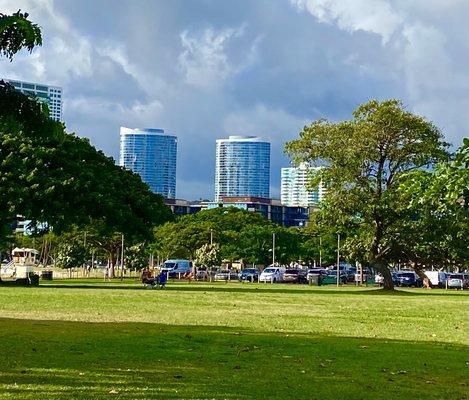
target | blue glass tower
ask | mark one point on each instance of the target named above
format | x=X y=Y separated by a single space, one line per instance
x=242 y=167
x=152 y=154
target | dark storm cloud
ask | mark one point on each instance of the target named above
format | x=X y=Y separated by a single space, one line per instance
x=205 y=69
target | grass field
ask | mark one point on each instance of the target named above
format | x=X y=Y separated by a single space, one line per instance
x=93 y=340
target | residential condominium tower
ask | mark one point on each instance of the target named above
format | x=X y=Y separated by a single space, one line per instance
x=242 y=167
x=294 y=188
x=51 y=95
x=152 y=154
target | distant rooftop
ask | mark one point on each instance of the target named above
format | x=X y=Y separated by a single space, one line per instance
x=141 y=131
x=243 y=138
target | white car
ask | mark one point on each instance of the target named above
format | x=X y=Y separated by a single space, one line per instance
x=272 y=274
x=379 y=279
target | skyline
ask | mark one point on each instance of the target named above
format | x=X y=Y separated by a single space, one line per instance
x=205 y=70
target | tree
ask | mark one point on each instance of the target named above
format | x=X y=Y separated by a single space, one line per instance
x=208 y=255
x=241 y=235
x=71 y=251
x=136 y=256
x=17 y=32
x=437 y=227
x=365 y=160
x=51 y=176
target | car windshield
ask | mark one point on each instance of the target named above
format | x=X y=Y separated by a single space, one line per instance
x=169 y=265
x=249 y=271
x=455 y=276
x=292 y=271
x=269 y=270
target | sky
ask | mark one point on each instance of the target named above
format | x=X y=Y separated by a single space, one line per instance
x=206 y=69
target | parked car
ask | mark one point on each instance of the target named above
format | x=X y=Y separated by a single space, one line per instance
x=226 y=275
x=177 y=268
x=458 y=281
x=379 y=279
x=249 y=274
x=272 y=274
x=409 y=278
x=201 y=275
x=331 y=277
x=295 y=275
x=315 y=271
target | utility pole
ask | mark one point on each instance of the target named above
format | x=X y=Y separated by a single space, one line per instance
x=122 y=259
x=338 y=258
x=211 y=237
x=320 y=252
x=273 y=248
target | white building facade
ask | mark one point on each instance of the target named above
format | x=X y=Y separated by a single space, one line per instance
x=294 y=188
x=51 y=95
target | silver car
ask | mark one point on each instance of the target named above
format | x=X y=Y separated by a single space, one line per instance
x=458 y=281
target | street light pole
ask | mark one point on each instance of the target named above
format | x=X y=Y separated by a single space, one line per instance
x=273 y=248
x=320 y=252
x=338 y=258
x=122 y=259
x=211 y=237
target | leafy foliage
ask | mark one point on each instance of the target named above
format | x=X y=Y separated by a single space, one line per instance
x=49 y=175
x=17 y=32
x=365 y=160
x=208 y=255
x=436 y=229
x=136 y=256
x=71 y=251
x=240 y=235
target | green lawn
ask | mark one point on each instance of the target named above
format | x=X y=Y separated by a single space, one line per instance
x=94 y=340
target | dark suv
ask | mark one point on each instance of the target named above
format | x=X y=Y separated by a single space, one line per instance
x=408 y=278
x=249 y=274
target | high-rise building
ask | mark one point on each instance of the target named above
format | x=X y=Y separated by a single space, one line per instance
x=294 y=189
x=152 y=154
x=51 y=95
x=242 y=167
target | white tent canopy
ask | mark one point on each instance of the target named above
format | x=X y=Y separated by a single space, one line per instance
x=17 y=250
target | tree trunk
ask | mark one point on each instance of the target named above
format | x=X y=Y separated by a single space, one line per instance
x=383 y=268
x=112 y=259
x=419 y=271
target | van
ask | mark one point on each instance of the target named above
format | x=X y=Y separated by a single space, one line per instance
x=436 y=278
x=176 y=268
x=272 y=274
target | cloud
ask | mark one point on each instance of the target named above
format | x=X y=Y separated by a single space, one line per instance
x=65 y=55
x=275 y=124
x=205 y=62
x=425 y=52
x=150 y=82
x=375 y=16
x=205 y=69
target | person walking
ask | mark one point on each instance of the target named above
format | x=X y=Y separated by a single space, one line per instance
x=162 y=280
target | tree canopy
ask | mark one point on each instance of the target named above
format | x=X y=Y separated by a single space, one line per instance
x=56 y=178
x=48 y=175
x=365 y=161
